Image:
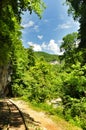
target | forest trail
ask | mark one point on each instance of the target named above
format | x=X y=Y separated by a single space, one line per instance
x=10 y=118
x=39 y=120
x=36 y=119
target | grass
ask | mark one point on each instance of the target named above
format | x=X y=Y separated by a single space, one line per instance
x=64 y=125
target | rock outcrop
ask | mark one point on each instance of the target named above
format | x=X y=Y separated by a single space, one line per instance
x=4 y=80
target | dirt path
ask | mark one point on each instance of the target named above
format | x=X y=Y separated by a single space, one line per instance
x=36 y=119
x=10 y=118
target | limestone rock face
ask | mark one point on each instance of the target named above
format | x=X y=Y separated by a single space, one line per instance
x=4 y=79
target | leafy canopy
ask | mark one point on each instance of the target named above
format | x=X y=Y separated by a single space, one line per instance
x=78 y=10
x=69 y=46
x=10 y=20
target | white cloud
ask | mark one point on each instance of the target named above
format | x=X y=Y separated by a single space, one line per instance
x=44 y=46
x=40 y=37
x=68 y=25
x=51 y=47
x=36 y=47
x=65 y=25
x=29 y=24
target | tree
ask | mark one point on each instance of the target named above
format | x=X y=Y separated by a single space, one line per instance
x=74 y=94
x=10 y=20
x=10 y=28
x=78 y=9
x=31 y=57
x=19 y=6
x=69 y=46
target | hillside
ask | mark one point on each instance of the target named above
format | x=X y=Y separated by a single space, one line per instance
x=48 y=57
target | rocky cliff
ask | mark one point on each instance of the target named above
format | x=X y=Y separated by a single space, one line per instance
x=4 y=80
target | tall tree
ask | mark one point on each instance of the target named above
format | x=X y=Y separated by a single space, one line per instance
x=69 y=46
x=10 y=30
x=78 y=9
x=10 y=19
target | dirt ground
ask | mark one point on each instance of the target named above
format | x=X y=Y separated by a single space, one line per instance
x=36 y=120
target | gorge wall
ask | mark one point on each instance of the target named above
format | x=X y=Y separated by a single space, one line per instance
x=4 y=80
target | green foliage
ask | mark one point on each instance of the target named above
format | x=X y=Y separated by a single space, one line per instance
x=17 y=90
x=74 y=81
x=69 y=46
x=38 y=82
x=37 y=6
x=9 y=33
x=11 y=50
x=47 y=57
x=18 y=67
x=33 y=76
x=73 y=77
x=10 y=20
x=19 y=60
x=74 y=94
x=78 y=10
x=30 y=56
x=19 y=6
x=75 y=111
x=69 y=42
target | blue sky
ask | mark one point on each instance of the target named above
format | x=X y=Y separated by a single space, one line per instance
x=46 y=34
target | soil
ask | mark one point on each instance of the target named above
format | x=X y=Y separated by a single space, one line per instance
x=36 y=120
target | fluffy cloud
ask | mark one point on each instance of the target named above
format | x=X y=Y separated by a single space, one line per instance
x=51 y=47
x=44 y=46
x=36 y=47
x=29 y=24
x=40 y=37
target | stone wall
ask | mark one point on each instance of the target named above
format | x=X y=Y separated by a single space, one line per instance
x=4 y=74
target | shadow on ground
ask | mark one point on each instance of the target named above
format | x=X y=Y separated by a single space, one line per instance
x=14 y=118
x=30 y=120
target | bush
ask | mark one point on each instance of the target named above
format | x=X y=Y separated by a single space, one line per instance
x=75 y=111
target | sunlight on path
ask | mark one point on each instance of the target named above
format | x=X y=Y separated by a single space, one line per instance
x=38 y=118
